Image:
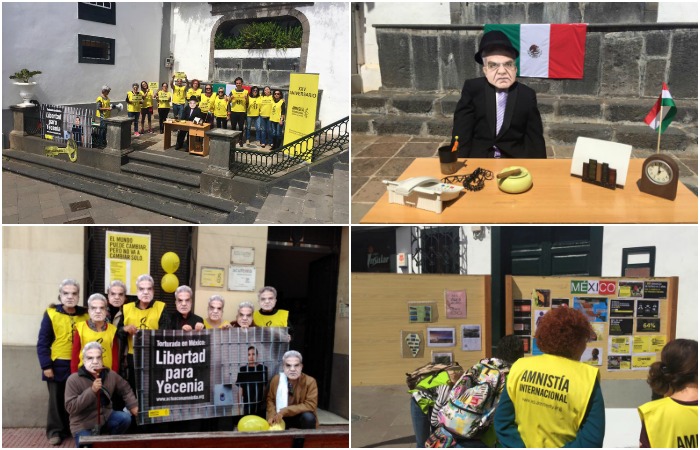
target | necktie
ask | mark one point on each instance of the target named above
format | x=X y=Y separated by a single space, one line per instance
x=501 y=100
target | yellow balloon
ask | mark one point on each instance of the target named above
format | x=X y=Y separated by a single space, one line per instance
x=170 y=262
x=169 y=283
x=252 y=423
x=280 y=426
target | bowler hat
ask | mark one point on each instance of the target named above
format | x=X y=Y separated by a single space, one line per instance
x=192 y=99
x=494 y=39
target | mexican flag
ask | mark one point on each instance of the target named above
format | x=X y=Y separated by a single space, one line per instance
x=669 y=110
x=547 y=50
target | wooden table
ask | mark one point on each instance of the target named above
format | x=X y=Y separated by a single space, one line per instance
x=194 y=130
x=555 y=197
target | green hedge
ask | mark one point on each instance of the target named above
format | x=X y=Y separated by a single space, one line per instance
x=261 y=35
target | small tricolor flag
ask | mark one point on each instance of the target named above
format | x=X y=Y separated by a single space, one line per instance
x=547 y=50
x=669 y=110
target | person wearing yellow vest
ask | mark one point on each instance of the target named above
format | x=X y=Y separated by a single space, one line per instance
x=134 y=99
x=215 y=313
x=103 y=109
x=221 y=109
x=53 y=348
x=268 y=315
x=553 y=400
x=672 y=421
x=253 y=114
x=265 y=111
x=194 y=90
x=206 y=104
x=277 y=118
x=239 y=107
x=144 y=314
x=146 y=106
x=164 y=98
x=179 y=97
x=97 y=329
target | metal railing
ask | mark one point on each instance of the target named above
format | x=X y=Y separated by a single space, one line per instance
x=261 y=166
x=76 y=123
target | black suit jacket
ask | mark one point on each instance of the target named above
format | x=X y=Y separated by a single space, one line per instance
x=196 y=112
x=475 y=122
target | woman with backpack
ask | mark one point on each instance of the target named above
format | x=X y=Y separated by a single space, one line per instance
x=554 y=399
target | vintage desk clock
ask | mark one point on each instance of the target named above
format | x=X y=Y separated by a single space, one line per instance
x=660 y=176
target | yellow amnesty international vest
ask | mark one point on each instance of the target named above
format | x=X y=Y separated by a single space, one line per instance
x=208 y=326
x=134 y=101
x=147 y=99
x=276 y=114
x=278 y=319
x=238 y=100
x=670 y=424
x=179 y=94
x=550 y=394
x=220 y=107
x=105 y=338
x=206 y=103
x=253 y=106
x=164 y=99
x=63 y=326
x=105 y=104
x=266 y=105
x=143 y=319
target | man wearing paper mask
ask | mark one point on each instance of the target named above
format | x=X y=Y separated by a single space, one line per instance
x=293 y=395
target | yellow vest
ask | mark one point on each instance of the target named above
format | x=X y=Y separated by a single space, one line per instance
x=63 y=326
x=134 y=101
x=220 y=107
x=276 y=114
x=670 y=424
x=143 y=319
x=238 y=100
x=550 y=394
x=208 y=326
x=254 y=106
x=147 y=99
x=206 y=104
x=197 y=93
x=179 y=94
x=164 y=99
x=278 y=319
x=105 y=104
x=266 y=105
x=105 y=338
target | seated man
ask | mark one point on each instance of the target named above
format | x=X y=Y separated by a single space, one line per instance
x=497 y=117
x=293 y=396
x=190 y=113
x=182 y=319
x=83 y=403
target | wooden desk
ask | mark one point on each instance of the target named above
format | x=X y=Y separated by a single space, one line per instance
x=555 y=197
x=193 y=129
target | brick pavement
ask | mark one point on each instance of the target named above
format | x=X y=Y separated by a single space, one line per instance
x=30 y=438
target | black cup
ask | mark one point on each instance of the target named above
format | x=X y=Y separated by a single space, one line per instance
x=448 y=160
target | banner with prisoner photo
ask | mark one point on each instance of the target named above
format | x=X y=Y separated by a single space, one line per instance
x=184 y=375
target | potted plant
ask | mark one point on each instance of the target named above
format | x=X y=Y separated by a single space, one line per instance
x=26 y=86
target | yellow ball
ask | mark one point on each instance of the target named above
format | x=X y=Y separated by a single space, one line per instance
x=252 y=423
x=278 y=426
x=170 y=262
x=169 y=283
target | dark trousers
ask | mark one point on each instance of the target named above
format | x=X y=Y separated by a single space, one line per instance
x=238 y=121
x=221 y=122
x=57 y=422
x=162 y=115
x=305 y=420
x=181 y=135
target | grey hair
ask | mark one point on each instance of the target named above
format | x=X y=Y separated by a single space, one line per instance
x=184 y=288
x=145 y=277
x=94 y=297
x=68 y=282
x=292 y=354
x=217 y=298
x=246 y=305
x=118 y=283
x=91 y=346
x=267 y=288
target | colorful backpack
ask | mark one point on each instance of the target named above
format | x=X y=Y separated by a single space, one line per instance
x=472 y=402
x=429 y=370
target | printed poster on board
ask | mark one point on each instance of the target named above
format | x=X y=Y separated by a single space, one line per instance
x=649 y=325
x=655 y=289
x=621 y=308
x=647 y=308
x=127 y=256
x=456 y=304
x=646 y=343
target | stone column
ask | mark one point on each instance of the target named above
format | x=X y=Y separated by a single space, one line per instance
x=118 y=132
x=218 y=179
x=221 y=143
x=17 y=134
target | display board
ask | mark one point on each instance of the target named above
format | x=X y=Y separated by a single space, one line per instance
x=633 y=318
x=401 y=322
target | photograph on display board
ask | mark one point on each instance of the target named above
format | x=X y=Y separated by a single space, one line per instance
x=522 y=326
x=647 y=308
x=441 y=357
x=522 y=308
x=412 y=343
x=441 y=337
x=619 y=362
x=422 y=312
x=456 y=304
x=594 y=308
x=541 y=297
x=630 y=289
x=599 y=330
x=655 y=289
x=557 y=302
x=593 y=356
x=535 y=349
x=471 y=338
x=619 y=345
x=526 y=343
x=539 y=315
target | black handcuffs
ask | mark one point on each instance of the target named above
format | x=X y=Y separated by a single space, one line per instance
x=473 y=182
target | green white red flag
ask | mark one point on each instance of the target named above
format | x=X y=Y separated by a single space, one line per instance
x=669 y=110
x=554 y=50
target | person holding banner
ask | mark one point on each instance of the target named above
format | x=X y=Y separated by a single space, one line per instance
x=183 y=319
x=179 y=97
x=253 y=117
x=89 y=395
x=96 y=328
x=215 y=313
x=239 y=106
x=277 y=118
x=265 y=110
x=221 y=108
x=293 y=395
x=53 y=348
x=164 y=97
x=133 y=101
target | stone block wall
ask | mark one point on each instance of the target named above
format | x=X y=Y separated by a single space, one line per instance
x=272 y=72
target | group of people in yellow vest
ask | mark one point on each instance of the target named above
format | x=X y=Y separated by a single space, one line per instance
x=67 y=328
x=246 y=109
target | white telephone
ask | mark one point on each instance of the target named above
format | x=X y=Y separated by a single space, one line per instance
x=422 y=192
